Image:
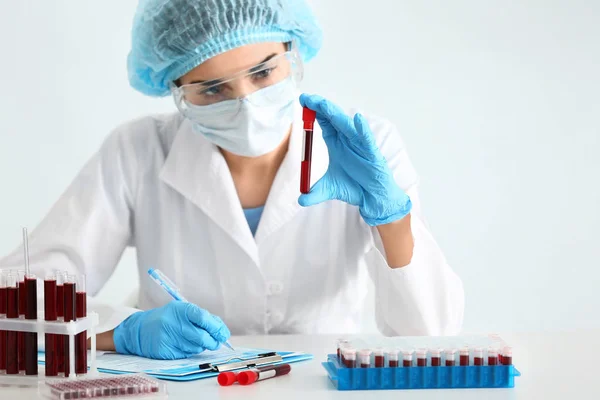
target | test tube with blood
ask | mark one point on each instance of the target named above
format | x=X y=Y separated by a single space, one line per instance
x=464 y=356
x=349 y=357
x=70 y=315
x=478 y=356
x=492 y=356
x=341 y=343
x=308 y=117
x=507 y=356
x=421 y=357
x=393 y=358
x=407 y=358
x=31 y=338
x=3 y=298
x=81 y=338
x=436 y=357
x=364 y=358
x=22 y=307
x=450 y=357
x=50 y=315
x=12 y=312
x=379 y=357
x=60 y=313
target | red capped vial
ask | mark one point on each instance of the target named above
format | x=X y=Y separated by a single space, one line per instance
x=478 y=356
x=464 y=356
x=379 y=358
x=393 y=358
x=507 y=356
x=450 y=357
x=436 y=357
x=492 y=356
x=349 y=357
x=421 y=357
x=364 y=358
x=407 y=358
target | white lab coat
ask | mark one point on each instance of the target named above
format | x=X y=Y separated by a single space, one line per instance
x=165 y=190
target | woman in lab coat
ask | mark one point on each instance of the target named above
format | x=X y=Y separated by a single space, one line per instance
x=210 y=195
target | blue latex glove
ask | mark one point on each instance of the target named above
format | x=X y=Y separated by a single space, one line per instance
x=358 y=173
x=174 y=331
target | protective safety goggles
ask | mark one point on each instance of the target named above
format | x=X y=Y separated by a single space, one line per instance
x=266 y=74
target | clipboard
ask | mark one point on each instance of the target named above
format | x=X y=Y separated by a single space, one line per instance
x=230 y=364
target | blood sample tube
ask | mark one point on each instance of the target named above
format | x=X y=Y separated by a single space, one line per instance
x=436 y=357
x=407 y=358
x=450 y=358
x=464 y=357
x=81 y=338
x=308 y=116
x=500 y=356
x=50 y=315
x=492 y=356
x=478 y=356
x=378 y=357
x=258 y=374
x=22 y=307
x=364 y=358
x=349 y=357
x=60 y=313
x=341 y=343
x=421 y=357
x=12 y=311
x=393 y=358
x=31 y=338
x=3 y=290
x=69 y=304
x=507 y=355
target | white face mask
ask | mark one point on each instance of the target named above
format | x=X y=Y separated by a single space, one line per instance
x=251 y=126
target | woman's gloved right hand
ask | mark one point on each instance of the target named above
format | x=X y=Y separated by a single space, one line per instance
x=174 y=331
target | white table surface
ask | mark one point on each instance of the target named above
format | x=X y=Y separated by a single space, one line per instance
x=553 y=366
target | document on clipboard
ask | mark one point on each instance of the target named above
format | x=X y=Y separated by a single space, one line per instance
x=204 y=365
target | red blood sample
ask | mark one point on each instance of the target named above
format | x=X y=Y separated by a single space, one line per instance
x=22 y=306
x=258 y=374
x=478 y=357
x=421 y=358
x=450 y=358
x=450 y=363
x=379 y=358
x=507 y=358
x=60 y=312
x=492 y=356
x=464 y=357
x=308 y=116
x=12 y=311
x=407 y=358
x=50 y=315
x=365 y=358
x=350 y=358
x=81 y=338
x=3 y=291
x=69 y=315
x=436 y=357
x=478 y=360
x=31 y=338
x=393 y=363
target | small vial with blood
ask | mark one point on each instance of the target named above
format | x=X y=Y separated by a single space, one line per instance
x=393 y=358
x=464 y=357
x=407 y=358
x=421 y=357
x=60 y=313
x=507 y=356
x=81 y=338
x=478 y=356
x=492 y=356
x=378 y=358
x=349 y=357
x=308 y=117
x=261 y=373
x=31 y=338
x=12 y=312
x=70 y=315
x=500 y=356
x=22 y=307
x=364 y=358
x=341 y=343
x=50 y=315
x=450 y=357
x=3 y=299
x=436 y=357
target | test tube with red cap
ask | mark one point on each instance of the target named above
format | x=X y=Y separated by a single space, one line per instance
x=50 y=314
x=3 y=299
x=81 y=338
x=478 y=356
x=308 y=117
x=70 y=315
x=60 y=313
x=492 y=356
x=364 y=358
x=464 y=356
x=407 y=358
x=261 y=373
x=349 y=355
x=421 y=357
x=436 y=357
x=378 y=357
x=450 y=357
x=393 y=361
x=12 y=312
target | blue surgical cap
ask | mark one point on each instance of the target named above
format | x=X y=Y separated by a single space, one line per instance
x=171 y=37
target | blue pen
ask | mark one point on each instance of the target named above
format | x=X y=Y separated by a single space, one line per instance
x=165 y=283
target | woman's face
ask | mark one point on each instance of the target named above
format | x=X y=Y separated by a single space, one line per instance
x=223 y=66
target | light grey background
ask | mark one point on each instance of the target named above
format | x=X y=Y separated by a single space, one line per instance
x=497 y=101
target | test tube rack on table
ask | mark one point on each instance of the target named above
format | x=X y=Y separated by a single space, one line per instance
x=459 y=364
x=66 y=329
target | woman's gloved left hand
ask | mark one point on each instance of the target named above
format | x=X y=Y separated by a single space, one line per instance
x=358 y=173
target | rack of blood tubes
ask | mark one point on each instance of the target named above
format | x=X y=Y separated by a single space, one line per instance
x=64 y=322
x=423 y=363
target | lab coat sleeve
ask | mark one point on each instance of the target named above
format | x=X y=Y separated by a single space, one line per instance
x=89 y=227
x=425 y=297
